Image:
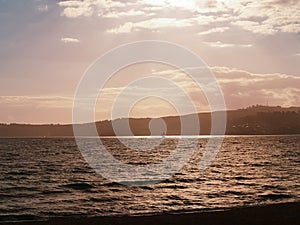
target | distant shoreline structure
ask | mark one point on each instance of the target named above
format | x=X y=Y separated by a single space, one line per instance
x=253 y=120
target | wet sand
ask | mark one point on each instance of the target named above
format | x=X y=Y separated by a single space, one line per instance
x=283 y=213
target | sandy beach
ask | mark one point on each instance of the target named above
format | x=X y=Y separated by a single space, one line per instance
x=283 y=213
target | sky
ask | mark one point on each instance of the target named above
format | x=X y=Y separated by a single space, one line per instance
x=252 y=47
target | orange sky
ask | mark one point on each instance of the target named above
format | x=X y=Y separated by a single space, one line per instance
x=252 y=47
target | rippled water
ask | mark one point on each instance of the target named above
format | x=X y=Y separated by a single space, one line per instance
x=48 y=177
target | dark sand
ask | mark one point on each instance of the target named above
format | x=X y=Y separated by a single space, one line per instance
x=284 y=214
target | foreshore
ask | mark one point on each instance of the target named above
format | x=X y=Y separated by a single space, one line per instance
x=282 y=213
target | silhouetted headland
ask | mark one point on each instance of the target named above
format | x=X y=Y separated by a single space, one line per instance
x=254 y=120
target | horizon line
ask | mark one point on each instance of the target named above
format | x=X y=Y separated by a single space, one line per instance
x=102 y=120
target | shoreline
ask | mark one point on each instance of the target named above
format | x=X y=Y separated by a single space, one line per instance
x=149 y=136
x=273 y=214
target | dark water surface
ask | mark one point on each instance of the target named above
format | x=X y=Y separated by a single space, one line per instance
x=48 y=178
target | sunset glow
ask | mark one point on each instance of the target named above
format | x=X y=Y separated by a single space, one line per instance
x=46 y=46
x=149 y=112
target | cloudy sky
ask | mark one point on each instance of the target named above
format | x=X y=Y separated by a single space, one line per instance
x=252 y=47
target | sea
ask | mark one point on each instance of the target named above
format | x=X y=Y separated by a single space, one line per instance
x=42 y=178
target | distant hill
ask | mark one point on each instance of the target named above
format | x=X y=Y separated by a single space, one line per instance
x=252 y=120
